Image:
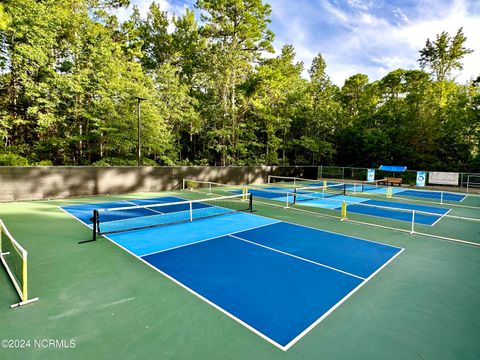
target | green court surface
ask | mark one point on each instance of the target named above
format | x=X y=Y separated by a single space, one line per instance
x=424 y=305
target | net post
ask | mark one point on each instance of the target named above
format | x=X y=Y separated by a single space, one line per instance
x=441 y=197
x=209 y=188
x=244 y=193
x=250 y=202
x=294 y=196
x=344 y=211
x=344 y=189
x=183 y=184
x=191 y=210
x=24 y=278
x=324 y=184
x=288 y=201
x=413 y=222
x=269 y=179
x=95 y=220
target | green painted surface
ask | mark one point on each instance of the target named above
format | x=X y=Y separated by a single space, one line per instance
x=424 y=305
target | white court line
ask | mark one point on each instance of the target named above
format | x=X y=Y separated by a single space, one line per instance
x=212 y=238
x=409 y=200
x=327 y=216
x=251 y=328
x=316 y=322
x=463 y=242
x=336 y=233
x=76 y=218
x=263 y=336
x=441 y=217
x=156 y=211
x=140 y=216
x=298 y=257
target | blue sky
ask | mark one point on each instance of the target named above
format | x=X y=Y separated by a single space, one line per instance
x=362 y=36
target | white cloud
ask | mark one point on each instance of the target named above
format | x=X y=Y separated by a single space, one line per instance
x=361 y=36
x=377 y=42
x=336 y=12
x=400 y=15
x=359 y=4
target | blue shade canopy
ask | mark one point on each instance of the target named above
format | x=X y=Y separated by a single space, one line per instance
x=393 y=168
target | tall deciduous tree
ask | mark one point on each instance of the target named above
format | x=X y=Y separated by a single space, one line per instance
x=444 y=55
x=237 y=33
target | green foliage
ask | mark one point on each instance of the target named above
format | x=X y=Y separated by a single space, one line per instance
x=116 y=161
x=71 y=75
x=444 y=54
x=10 y=159
x=44 y=163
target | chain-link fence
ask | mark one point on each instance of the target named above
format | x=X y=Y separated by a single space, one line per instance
x=468 y=181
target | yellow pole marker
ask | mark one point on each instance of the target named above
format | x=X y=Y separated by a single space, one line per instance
x=344 y=210
x=24 y=285
x=245 y=192
x=324 y=184
x=389 y=192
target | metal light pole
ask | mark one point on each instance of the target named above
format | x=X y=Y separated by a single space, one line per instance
x=139 y=145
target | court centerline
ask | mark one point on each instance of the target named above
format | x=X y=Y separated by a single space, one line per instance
x=212 y=238
x=239 y=319
x=156 y=211
x=298 y=257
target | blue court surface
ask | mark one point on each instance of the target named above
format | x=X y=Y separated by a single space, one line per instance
x=277 y=279
x=436 y=195
x=425 y=215
x=273 y=193
x=423 y=194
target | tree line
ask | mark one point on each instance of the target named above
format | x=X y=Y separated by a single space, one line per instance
x=71 y=72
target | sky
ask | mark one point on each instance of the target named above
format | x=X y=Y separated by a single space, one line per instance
x=372 y=37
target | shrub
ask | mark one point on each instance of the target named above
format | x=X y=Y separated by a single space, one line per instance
x=9 y=159
x=115 y=161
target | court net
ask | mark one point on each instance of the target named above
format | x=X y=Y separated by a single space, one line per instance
x=460 y=225
x=207 y=187
x=312 y=193
x=292 y=181
x=296 y=182
x=129 y=218
x=14 y=259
